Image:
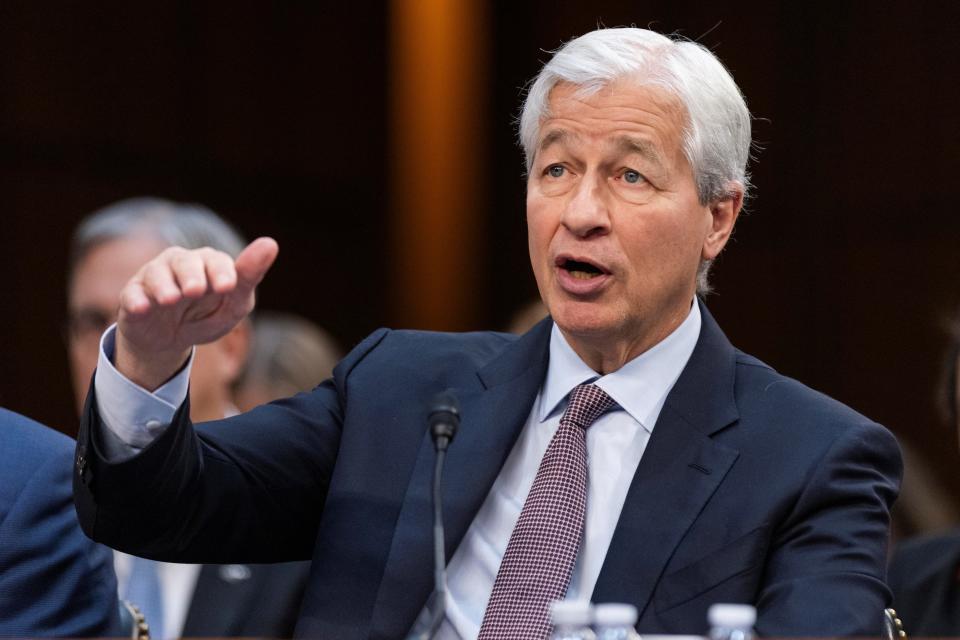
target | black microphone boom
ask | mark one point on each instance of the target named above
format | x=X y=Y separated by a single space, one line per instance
x=444 y=418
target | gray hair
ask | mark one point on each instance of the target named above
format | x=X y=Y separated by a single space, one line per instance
x=191 y=226
x=716 y=137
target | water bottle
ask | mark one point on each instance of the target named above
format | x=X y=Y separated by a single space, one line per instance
x=615 y=622
x=731 y=621
x=571 y=620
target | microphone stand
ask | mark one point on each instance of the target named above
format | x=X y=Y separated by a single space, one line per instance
x=444 y=419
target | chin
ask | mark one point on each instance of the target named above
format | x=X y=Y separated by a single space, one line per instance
x=584 y=320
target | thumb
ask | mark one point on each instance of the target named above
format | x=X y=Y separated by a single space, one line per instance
x=254 y=261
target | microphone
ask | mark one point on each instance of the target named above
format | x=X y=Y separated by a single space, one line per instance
x=443 y=418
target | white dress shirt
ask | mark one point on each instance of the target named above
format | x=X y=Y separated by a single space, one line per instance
x=177 y=584
x=615 y=444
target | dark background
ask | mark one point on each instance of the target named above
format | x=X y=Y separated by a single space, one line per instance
x=275 y=114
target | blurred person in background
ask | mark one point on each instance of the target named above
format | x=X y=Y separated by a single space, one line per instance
x=289 y=354
x=924 y=571
x=54 y=581
x=527 y=317
x=107 y=248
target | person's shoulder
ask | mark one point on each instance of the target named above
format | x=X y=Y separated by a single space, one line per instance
x=436 y=349
x=32 y=455
x=790 y=415
x=24 y=443
x=762 y=388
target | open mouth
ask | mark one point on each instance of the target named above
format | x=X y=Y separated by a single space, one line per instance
x=579 y=269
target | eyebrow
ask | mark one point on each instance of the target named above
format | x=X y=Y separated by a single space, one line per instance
x=624 y=144
x=639 y=146
x=557 y=136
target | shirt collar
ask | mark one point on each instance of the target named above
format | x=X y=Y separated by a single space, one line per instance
x=640 y=386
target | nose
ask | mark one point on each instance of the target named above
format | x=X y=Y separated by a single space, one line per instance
x=586 y=213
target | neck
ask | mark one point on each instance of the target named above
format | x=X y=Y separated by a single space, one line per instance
x=606 y=354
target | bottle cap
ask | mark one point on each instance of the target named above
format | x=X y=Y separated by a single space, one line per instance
x=615 y=615
x=735 y=616
x=569 y=612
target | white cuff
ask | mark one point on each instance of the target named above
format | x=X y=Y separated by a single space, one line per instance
x=134 y=415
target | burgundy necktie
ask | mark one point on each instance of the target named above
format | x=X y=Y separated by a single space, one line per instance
x=543 y=547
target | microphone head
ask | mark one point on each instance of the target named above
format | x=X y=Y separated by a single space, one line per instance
x=444 y=416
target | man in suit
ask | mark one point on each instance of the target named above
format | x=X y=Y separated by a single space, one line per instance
x=54 y=581
x=107 y=248
x=622 y=450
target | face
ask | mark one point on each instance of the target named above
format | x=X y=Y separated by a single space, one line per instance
x=93 y=299
x=615 y=227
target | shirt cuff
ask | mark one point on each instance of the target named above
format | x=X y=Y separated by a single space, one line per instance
x=134 y=415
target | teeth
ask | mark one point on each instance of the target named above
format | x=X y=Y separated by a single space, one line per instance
x=583 y=275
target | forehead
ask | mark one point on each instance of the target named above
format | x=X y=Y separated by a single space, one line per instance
x=102 y=273
x=621 y=108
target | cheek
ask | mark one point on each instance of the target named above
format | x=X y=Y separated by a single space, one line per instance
x=83 y=359
x=539 y=231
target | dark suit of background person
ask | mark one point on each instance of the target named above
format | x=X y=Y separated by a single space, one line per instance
x=925 y=579
x=54 y=581
x=753 y=488
x=925 y=570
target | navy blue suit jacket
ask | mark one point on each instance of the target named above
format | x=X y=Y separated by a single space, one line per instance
x=753 y=488
x=54 y=581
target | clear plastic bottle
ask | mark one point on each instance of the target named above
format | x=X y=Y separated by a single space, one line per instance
x=731 y=621
x=571 y=620
x=615 y=622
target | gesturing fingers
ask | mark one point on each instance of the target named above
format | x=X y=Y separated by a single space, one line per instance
x=158 y=280
x=185 y=297
x=188 y=270
x=221 y=273
x=133 y=299
x=254 y=262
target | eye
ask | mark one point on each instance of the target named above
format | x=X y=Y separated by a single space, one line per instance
x=632 y=177
x=555 y=171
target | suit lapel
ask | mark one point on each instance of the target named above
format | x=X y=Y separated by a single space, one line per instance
x=493 y=412
x=679 y=471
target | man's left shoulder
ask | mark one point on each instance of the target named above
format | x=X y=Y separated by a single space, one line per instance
x=782 y=404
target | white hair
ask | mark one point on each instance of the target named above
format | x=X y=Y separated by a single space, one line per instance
x=716 y=135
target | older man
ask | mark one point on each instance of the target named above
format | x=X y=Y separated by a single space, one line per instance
x=108 y=247
x=622 y=451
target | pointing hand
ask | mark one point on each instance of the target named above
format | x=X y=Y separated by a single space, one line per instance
x=182 y=298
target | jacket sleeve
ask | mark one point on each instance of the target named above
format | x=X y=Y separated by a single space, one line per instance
x=246 y=489
x=825 y=574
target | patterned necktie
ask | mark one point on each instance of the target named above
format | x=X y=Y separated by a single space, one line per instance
x=543 y=547
x=144 y=590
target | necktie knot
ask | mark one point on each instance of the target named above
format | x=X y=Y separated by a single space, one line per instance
x=587 y=403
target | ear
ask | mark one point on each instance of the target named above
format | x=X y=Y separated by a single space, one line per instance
x=723 y=213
